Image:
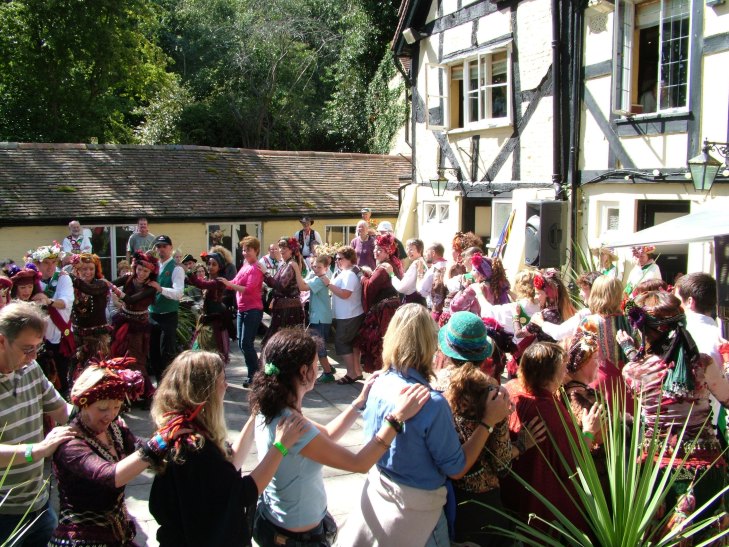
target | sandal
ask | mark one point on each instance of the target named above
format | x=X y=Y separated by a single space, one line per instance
x=345 y=381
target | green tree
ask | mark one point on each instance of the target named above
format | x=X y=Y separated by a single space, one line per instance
x=71 y=70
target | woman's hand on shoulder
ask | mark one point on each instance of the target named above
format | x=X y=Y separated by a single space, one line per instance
x=533 y=432
x=361 y=401
x=386 y=266
x=290 y=429
x=410 y=401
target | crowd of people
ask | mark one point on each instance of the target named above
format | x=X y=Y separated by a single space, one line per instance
x=471 y=388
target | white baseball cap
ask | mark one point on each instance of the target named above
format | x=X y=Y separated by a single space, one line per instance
x=385 y=226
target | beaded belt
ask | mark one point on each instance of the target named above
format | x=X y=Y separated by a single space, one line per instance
x=134 y=313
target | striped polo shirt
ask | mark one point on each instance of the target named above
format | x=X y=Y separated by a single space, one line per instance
x=24 y=396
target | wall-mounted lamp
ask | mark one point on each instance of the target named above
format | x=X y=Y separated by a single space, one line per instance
x=704 y=168
x=440 y=185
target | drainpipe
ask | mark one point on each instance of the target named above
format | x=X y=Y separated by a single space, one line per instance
x=556 y=104
x=578 y=82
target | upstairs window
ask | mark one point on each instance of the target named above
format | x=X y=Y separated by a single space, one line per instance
x=470 y=92
x=652 y=56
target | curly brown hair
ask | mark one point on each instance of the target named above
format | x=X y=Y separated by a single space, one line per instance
x=287 y=351
x=469 y=390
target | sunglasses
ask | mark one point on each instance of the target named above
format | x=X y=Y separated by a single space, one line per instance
x=338 y=257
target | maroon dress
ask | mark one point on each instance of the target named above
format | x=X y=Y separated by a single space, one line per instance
x=92 y=508
x=131 y=326
x=215 y=315
x=380 y=300
x=286 y=307
x=542 y=467
x=89 y=321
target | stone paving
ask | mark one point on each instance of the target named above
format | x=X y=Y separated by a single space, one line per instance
x=322 y=404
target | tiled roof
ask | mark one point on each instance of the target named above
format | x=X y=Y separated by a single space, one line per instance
x=50 y=182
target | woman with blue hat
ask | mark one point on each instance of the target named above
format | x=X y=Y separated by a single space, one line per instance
x=465 y=343
x=403 y=498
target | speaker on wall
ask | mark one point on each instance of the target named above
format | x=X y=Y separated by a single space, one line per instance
x=546 y=234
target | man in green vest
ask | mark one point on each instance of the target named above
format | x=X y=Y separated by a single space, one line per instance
x=163 y=313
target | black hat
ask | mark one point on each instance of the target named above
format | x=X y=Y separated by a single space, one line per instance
x=162 y=240
x=307 y=219
x=188 y=258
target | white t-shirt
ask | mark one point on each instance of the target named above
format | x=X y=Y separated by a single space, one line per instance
x=346 y=308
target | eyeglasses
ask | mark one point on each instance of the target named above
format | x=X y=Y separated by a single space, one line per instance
x=35 y=349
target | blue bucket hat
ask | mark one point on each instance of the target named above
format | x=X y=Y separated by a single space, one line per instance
x=464 y=338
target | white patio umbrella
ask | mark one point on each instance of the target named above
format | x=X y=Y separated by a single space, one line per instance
x=691 y=228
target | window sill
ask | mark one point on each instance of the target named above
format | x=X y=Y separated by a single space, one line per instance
x=654 y=123
x=484 y=126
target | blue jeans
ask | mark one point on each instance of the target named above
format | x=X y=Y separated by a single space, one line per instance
x=439 y=537
x=38 y=534
x=248 y=323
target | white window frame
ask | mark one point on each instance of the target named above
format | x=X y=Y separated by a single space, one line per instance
x=349 y=229
x=604 y=209
x=496 y=230
x=623 y=65
x=437 y=75
x=441 y=208
x=227 y=226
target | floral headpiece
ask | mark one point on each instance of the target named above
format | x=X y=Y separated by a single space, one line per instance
x=326 y=249
x=583 y=346
x=387 y=242
x=46 y=251
x=482 y=265
x=538 y=282
x=292 y=243
x=147 y=260
x=118 y=383
x=640 y=249
x=89 y=258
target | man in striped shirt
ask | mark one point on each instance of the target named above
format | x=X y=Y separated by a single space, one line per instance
x=25 y=395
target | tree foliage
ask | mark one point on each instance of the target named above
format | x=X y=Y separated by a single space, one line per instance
x=280 y=74
x=71 y=70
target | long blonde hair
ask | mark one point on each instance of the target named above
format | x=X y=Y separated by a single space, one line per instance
x=191 y=381
x=410 y=341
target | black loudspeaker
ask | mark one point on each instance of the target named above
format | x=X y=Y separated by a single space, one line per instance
x=546 y=234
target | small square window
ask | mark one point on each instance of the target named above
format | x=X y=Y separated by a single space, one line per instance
x=436 y=213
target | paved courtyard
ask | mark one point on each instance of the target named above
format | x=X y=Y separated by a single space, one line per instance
x=322 y=404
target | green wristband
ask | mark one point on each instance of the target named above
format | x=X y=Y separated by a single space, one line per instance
x=29 y=453
x=588 y=435
x=281 y=448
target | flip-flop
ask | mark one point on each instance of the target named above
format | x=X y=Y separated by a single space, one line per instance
x=345 y=381
x=358 y=378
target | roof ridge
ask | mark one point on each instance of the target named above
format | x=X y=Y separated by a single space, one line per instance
x=188 y=148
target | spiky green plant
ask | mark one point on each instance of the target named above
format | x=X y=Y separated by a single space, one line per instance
x=23 y=526
x=625 y=514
